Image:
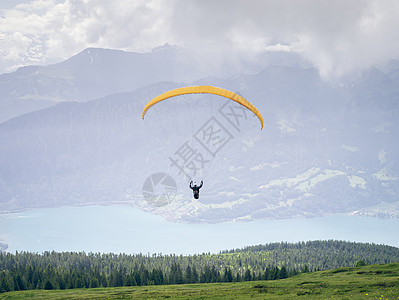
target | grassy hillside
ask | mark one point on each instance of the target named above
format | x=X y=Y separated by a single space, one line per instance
x=367 y=282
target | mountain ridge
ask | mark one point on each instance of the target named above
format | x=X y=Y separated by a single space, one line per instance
x=327 y=148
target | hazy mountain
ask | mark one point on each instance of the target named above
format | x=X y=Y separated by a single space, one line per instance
x=91 y=74
x=326 y=148
x=95 y=73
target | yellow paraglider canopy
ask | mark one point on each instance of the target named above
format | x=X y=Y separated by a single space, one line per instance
x=204 y=89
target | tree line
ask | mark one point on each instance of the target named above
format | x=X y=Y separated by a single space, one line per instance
x=69 y=270
x=31 y=277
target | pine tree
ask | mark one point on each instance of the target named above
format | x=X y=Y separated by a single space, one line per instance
x=144 y=275
x=62 y=284
x=19 y=283
x=4 y=286
x=79 y=282
x=283 y=273
x=266 y=274
x=215 y=274
x=360 y=263
x=247 y=275
x=48 y=285
x=206 y=275
x=175 y=274
x=227 y=276
x=305 y=269
x=157 y=276
x=137 y=277
x=188 y=275
x=103 y=280
x=94 y=283
x=274 y=273
x=194 y=275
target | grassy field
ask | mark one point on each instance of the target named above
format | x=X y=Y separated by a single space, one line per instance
x=368 y=282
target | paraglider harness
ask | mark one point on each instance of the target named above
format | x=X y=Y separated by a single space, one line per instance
x=195 y=189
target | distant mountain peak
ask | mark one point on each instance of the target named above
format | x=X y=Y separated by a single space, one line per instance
x=165 y=46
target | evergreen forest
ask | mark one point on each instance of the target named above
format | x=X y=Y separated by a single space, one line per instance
x=69 y=270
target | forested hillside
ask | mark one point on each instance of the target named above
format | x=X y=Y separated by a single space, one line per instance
x=67 y=270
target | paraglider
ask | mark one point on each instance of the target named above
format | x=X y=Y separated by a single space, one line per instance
x=196 y=188
x=218 y=141
x=204 y=89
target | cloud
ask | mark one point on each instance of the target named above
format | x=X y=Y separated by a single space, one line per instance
x=43 y=31
x=337 y=37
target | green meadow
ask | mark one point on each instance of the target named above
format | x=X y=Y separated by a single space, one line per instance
x=366 y=282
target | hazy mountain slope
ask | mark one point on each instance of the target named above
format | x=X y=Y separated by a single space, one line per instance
x=90 y=74
x=326 y=148
x=95 y=73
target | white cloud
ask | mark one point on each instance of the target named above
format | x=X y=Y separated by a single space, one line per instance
x=43 y=31
x=385 y=175
x=356 y=181
x=293 y=181
x=336 y=36
x=382 y=156
x=325 y=175
x=350 y=148
x=285 y=126
x=273 y=165
x=227 y=194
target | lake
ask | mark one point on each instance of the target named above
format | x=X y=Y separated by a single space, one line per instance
x=124 y=229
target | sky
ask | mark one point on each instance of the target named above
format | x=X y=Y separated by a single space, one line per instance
x=337 y=37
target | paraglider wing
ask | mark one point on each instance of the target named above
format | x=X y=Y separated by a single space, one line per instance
x=204 y=89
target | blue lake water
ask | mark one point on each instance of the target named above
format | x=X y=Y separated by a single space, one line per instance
x=129 y=230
